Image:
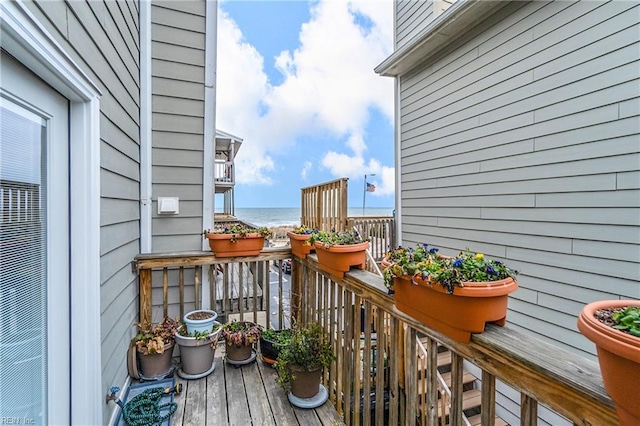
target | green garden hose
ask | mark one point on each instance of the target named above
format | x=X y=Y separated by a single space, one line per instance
x=144 y=409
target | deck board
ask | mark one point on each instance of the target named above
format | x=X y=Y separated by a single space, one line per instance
x=248 y=395
x=217 y=407
x=280 y=407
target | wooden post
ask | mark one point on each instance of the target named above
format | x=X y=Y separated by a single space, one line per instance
x=181 y=290
x=488 y=403
x=457 y=373
x=296 y=289
x=411 y=379
x=196 y=282
x=145 y=295
x=432 y=381
x=528 y=410
x=165 y=292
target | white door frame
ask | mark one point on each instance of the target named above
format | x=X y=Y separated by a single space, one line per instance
x=30 y=43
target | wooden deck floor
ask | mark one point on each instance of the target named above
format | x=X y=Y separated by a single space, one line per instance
x=248 y=395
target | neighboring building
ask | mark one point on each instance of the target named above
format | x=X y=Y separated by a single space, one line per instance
x=227 y=147
x=106 y=106
x=518 y=135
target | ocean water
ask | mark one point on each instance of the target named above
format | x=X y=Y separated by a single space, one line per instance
x=277 y=216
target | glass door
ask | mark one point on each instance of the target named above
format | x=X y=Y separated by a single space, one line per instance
x=34 y=250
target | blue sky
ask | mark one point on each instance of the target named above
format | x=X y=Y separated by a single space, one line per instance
x=295 y=81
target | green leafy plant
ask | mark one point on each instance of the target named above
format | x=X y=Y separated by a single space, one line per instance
x=426 y=263
x=307 y=347
x=154 y=338
x=241 y=333
x=238 y=230
x=628 y=320
x=333 y=238
x=278 y=337
x=199 y=335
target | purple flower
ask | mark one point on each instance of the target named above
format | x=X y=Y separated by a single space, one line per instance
x=457 y=263
x=433 y=250
x=491 y=271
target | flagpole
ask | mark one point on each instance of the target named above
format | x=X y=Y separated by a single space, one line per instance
x=364 y=193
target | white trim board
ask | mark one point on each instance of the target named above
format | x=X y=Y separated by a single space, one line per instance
x=29 y=42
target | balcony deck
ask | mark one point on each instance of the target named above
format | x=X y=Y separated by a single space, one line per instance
x=248 y=395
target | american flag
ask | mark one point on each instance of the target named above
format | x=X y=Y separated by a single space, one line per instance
x=371 y=187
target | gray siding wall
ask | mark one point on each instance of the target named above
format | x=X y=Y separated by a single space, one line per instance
x=522 y=141
x=412 y=16
x=178 y=49
x=102 y=38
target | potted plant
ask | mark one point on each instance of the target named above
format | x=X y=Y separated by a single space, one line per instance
x=197 y=350
x=614 y=327
x=240 y=336
x=299 y=241
x=271 y=341
x=338 y=251
x=456 y=295
x=300 y=362
x=154 y=346
x=200 y=321
x=236 y=240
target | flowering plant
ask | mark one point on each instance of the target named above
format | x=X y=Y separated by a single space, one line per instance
x=238 y=230
x=242 y=333
x=333 y=238
x=154 y=338
x=426 y=263
x=302 y=230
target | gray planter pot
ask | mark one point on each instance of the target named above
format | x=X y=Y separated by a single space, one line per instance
x=196 y=355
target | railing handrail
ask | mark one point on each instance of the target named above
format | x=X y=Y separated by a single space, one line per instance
x=194 y=258
x=567 y=383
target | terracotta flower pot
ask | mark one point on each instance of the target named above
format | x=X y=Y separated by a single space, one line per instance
x=223 y=246
x=455 y=315
x=298 y=244
x=156 y=365
x=619 y=358
x=306 y=383
x=338 y=259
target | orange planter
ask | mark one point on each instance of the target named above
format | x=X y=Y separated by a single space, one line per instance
x=456 y=315
x=338 y=259
x=619 y=358
x=222 y=246
x=299 y=247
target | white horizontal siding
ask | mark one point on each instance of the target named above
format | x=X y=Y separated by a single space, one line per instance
x=522 y=142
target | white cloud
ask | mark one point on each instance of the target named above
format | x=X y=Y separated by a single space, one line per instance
x=305 y=169
x=354 y=167
x=329 y=86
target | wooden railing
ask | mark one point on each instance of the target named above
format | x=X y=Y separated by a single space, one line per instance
x=380 y=231
x=371 y=337
x=324 y=206
x=380 y=367
x=171 y=284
